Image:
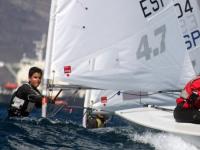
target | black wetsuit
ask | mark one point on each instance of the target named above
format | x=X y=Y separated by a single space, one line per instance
x=191 y=115
x=24 y=100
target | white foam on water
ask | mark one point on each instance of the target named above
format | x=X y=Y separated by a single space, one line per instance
x=163 y=141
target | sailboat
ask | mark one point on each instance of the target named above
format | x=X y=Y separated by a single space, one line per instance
x=127 y=55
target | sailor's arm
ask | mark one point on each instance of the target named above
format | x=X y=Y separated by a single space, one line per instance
x=36 y=97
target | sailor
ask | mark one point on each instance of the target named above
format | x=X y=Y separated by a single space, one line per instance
x=27 y=96
x=100 y=121
x=188 y=104
x=96 y=121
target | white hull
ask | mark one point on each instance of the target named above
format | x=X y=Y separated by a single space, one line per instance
x=164 y=121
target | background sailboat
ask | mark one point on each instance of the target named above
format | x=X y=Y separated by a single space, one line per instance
x=189 y=27
x=149 y=51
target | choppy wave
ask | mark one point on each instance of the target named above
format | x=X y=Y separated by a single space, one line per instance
x=39 y=133
x=32 y=133
x=163 y=141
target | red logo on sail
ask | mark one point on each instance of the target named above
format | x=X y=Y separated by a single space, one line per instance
x=104 y=100
x=67 y=70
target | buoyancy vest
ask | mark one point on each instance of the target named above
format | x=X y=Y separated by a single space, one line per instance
x=21 y=105
x=189 y=95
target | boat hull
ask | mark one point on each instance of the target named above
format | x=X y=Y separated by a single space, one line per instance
x=162 y=120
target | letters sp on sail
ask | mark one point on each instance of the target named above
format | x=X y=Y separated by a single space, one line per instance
x=188 y=14
x=148 y=51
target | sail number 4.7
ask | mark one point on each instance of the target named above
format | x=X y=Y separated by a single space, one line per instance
x=144 y=50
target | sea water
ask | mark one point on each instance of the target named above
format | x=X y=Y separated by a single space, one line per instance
x=64 y=131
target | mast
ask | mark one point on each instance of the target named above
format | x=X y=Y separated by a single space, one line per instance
x=49 y=51
x=87 y=101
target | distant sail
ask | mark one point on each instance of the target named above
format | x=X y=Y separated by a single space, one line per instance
x=188 y=13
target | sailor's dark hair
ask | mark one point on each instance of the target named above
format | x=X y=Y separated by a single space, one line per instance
x=33 y=70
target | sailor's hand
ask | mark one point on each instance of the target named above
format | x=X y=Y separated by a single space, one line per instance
x=50 y=100
x=60 y=102
x=197 y=102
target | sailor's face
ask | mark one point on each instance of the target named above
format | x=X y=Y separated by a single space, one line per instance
x=35 y=79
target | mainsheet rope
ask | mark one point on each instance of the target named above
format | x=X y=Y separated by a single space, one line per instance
x=118 y=93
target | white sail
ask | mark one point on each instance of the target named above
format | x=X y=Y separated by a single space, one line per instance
x=147 y=58
x=188 y=13
x=189 y=27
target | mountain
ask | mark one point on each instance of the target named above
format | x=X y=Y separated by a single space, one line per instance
x=22 y=22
